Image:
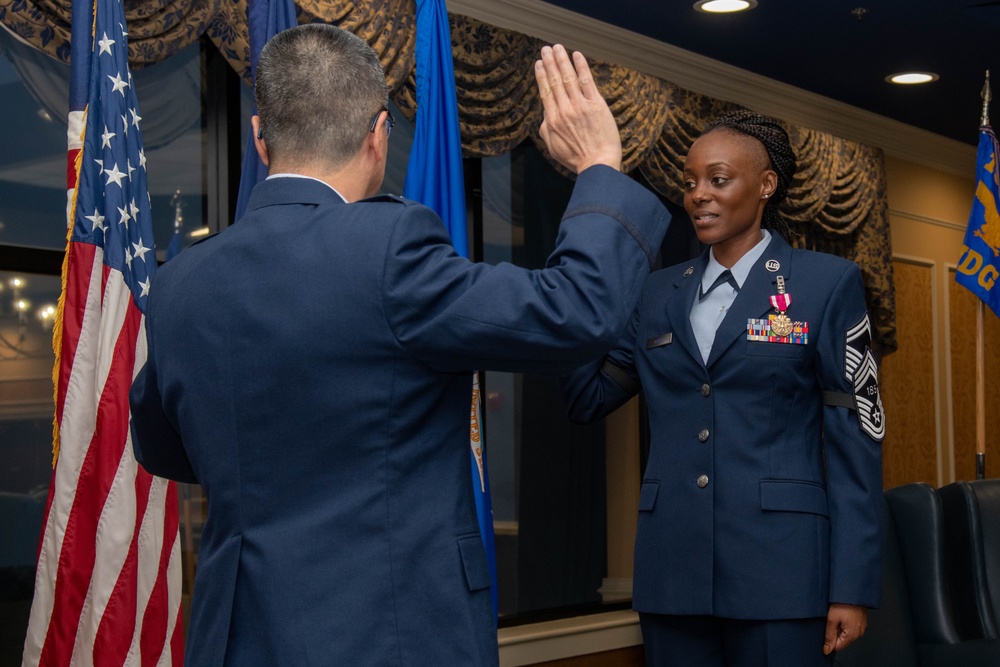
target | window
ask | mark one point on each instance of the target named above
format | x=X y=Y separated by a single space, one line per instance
x=32 y=236
x=547 y=475
x=33 y=134
x=564 y=495
x=27 y=303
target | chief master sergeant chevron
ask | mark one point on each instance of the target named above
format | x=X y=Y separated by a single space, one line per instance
x=311 y=367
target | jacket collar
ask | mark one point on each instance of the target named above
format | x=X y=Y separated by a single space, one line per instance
x=291 y=190
x=753 y=301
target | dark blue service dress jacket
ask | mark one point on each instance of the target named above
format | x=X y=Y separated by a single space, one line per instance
x=311 y=366
x=759 y=500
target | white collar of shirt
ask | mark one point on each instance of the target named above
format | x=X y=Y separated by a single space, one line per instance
x=740 y=269
x=309 y=178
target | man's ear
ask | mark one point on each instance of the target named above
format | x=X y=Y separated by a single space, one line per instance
x=378 y=142
x=258 y=139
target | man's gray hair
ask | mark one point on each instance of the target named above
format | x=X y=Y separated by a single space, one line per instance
x=318 y=89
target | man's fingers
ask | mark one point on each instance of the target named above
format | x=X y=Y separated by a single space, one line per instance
x=561 y=78
x=567 y=72
x=553 y=75
x=544 y=92
x=584 y=76
x=549 y=105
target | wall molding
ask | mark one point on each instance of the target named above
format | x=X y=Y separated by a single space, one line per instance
x=19 y=410
x=569 y=637
x=725 y=82
x=916 y=217
x=28 y=397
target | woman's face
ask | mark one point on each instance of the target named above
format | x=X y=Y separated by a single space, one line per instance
x=727 y=181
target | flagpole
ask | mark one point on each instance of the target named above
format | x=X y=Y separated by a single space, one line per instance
x=980 y=393
x=981 y=335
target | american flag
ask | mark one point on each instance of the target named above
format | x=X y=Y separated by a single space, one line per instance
x=107 y=587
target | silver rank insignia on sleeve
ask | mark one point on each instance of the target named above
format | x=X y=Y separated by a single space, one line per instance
x=862 y=371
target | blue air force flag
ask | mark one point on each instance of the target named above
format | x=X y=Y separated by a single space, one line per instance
x=434 y=177
x=979 y=267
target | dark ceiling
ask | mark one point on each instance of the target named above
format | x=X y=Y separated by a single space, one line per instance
x=821 y=46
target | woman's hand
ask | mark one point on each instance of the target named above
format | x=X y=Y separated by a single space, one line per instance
x=844 y=624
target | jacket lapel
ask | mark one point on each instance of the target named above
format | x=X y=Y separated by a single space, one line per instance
x=679 y=306
x=753 y=301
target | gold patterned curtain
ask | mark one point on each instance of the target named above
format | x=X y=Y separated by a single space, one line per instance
x=837 y=203
x=156 y=28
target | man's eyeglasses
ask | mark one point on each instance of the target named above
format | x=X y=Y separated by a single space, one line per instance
x=390 y=122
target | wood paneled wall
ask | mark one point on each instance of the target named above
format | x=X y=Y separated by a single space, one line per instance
x=962 y=319
x=910 y=450
x=929 y=384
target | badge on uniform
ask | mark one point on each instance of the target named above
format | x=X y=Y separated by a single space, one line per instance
x=763 y=331
x=862 y=372
x=659 y=341
x=778 y=327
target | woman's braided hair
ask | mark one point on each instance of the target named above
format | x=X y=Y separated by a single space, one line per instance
x=779 y=149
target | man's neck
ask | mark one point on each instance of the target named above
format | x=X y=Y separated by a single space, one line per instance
x=350 y=181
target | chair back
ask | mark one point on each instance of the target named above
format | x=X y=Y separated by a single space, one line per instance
x=889 y=640
x=919 y=521
x=972 y=531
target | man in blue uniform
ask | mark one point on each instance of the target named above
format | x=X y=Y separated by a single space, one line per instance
x=311 y=367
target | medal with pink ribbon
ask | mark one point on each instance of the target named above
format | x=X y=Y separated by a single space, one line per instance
x=781 y=302
x=781 y=325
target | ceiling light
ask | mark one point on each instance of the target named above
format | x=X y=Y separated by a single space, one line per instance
x=910 y=78
x=724 y=6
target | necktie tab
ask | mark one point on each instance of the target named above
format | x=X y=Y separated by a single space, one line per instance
x=724 y=277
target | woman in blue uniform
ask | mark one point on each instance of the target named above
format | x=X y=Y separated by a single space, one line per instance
x=759 y=532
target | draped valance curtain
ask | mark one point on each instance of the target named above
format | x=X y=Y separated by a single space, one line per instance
x=837 y=203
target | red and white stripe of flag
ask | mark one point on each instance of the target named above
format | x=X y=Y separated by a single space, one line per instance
x=107 y=587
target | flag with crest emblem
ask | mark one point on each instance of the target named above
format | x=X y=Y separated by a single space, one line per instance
x=979 y=267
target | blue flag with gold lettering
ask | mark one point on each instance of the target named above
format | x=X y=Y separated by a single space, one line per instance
x=979 y=267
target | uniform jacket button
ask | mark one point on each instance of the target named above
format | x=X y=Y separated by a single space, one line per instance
x=703 y=481
x=705 y=390
x=703 y=435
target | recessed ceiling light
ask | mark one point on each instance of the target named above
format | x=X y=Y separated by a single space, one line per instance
x=724 y=6
x=910 y=78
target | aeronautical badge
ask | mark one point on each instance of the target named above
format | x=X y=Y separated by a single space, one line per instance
x=862 y=372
